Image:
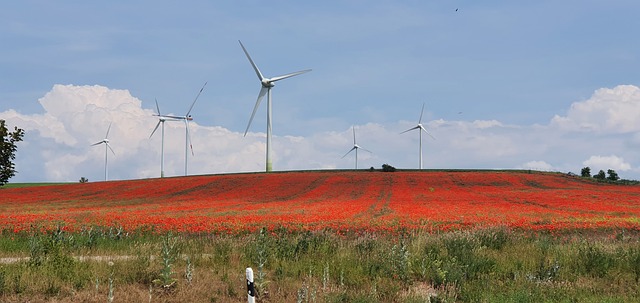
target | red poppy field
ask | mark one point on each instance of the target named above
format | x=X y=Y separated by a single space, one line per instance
x=343 y=201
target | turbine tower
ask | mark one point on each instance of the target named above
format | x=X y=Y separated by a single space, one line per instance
x=267 y=84
x=187 y=137
x=355 y=147
x=161 y=120
x=107 y=147
x=420 y=128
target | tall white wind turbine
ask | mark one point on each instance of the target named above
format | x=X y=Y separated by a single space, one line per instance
x=420 y=128
x=267 y=84
x=161 y=120
x=107 y=147
x=187 y=140
x=355 y=147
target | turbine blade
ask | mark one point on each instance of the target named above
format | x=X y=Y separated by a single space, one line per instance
x=428 y=133
x=354 y=135
x=263 y=91
x=362 y=148
x=108 y=129
x=174 y=117
x=196 y=99
x=154 y=130
x=111 y=149
x=274 y=79
x=421 y=112
x=352 y=149
x=94 y=144
x=157 y=107
x=408 y=130
x=255 y=67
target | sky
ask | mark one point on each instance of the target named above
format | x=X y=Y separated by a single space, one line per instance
x=544 y=85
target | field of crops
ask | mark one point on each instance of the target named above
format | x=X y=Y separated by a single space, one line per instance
x=343 y=201
x=324 y=236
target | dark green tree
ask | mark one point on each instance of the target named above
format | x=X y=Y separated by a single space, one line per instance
x=388 y=168
x=600 y=175
x=8 y=150
x=586 y=172
x=613 y=176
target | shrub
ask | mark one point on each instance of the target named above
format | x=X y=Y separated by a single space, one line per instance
x=594 y=260
x=388 y=168
x=613 y=176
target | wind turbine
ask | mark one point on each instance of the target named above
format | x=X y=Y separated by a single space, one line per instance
x=186 y=118
x=107 y=147
x=420 y=128
x=161 y=120
x=355 y=147
x=267 y=84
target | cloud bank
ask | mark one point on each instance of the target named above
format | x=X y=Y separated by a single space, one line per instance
x=601 y=132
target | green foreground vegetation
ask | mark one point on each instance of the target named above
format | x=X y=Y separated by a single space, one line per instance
x=489 y=265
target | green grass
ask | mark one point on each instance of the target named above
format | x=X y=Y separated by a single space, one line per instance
x=491 y=265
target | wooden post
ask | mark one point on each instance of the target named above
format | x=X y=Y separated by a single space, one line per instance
x=251 y=290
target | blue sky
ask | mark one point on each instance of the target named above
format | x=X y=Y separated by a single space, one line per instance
x=547 y=85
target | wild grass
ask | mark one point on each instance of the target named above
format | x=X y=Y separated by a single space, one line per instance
x=488 y=265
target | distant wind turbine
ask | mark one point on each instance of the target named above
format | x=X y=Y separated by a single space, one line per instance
x=420 y=128
x=187 y=140
x=161 y=120
x=107 y=147
x=355 y=147
x=267 y=84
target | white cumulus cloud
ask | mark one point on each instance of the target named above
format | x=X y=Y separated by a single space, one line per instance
x=538 y=165
x=597 y=163
x=609 y=110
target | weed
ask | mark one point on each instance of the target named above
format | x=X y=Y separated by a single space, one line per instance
x=634 y=262
x=110 y=294
x=261 y=257
x=188 y=271
x=594 y=260
x=18 y=287
x=3 y=278
x=399 y=258
x=545 y=272
x=168 y=256
x=494 y=238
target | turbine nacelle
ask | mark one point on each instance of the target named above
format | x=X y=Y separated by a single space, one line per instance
x=267 y=83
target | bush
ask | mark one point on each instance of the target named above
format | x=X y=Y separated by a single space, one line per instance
x=594 y=260
x=600 y=175
x=388 y=168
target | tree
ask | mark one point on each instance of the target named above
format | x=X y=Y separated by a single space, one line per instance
x=8 y=150
x=600 y=175
x=83 y=180
x=586 y=172
x=613 y=176
x=388 y=168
